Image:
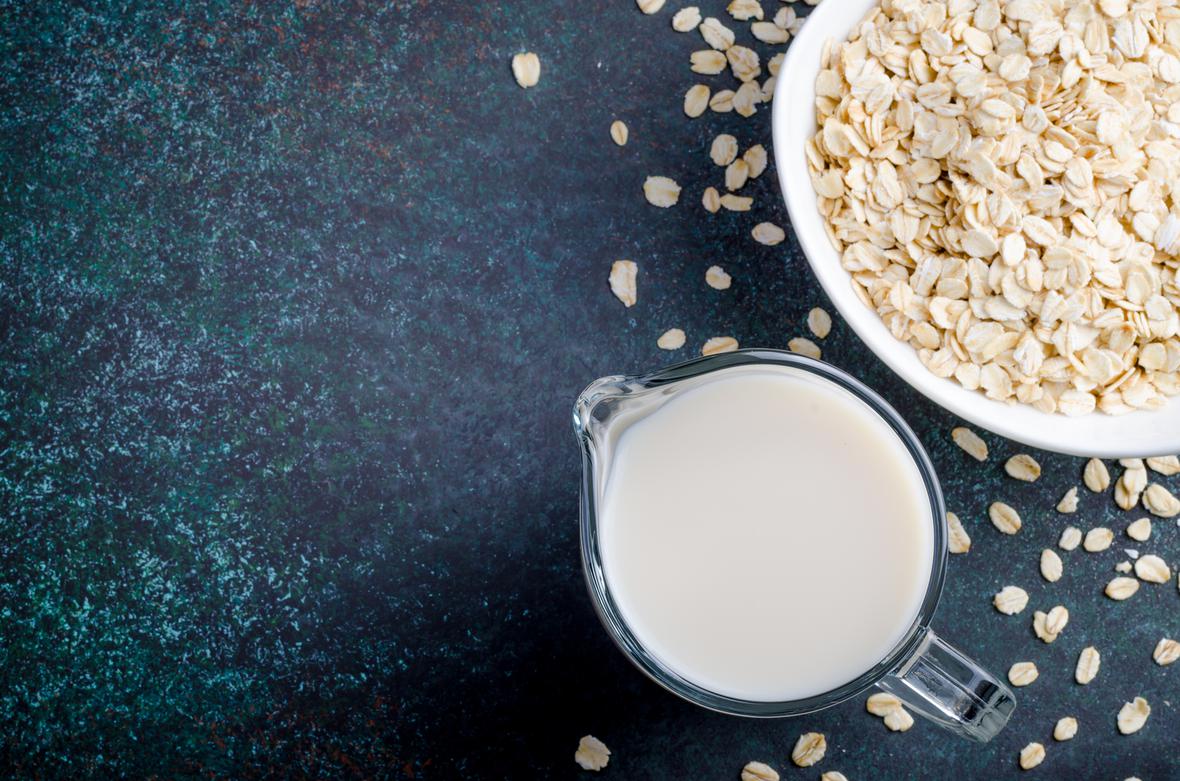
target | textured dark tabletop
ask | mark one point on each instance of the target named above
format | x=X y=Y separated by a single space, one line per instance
x=294 y=302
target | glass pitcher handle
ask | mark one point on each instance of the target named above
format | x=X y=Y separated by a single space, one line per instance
x=951 y=689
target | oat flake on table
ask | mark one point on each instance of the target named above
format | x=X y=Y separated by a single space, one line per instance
x=592 y=753
x=1065 y=729
x=958 y=541
x=661 y=191
x=970 y=442
x=1133 y=715
x=526 y=69
x=809 y=749
x=719 y=344
x=804 y=346
x=672 y=339
x=623 y=281
x=619 y=132
x=759 y=771
x=1010 y=600
x=1089 y=660
x=1031 y=755
x=819 y=323
x=717 y=278
x=1166 y=652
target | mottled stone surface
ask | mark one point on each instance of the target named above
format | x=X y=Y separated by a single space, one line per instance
x=294 y=302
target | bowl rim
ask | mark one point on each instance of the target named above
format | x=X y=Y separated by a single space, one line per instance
x=1140 y=433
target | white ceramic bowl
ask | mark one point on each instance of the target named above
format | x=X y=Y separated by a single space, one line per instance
x=1136 y=434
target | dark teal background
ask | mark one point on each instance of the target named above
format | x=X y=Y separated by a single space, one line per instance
x=294 y=303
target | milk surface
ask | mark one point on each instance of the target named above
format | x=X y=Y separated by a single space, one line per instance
x=765 y=534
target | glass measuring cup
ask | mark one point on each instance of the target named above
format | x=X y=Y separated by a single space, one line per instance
x=931 y=677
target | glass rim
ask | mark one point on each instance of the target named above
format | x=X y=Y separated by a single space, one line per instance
x=604 y=603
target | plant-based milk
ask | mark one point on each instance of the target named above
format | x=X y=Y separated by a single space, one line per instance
x=765 y=534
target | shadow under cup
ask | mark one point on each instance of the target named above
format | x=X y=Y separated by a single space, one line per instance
x=930 y=677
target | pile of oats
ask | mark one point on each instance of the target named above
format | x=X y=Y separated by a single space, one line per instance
x=1003 y=182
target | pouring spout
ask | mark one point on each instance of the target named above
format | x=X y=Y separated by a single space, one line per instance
x=602 y=388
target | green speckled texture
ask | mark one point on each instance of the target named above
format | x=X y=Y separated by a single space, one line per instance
x=294 y=303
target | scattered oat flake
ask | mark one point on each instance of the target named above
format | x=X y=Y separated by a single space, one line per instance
x=1165 y=465
x=898 y=720
x=1066 y=728
x=526 y=68
x=1133 y=715
x=1152 y=569
x=1096 y=476
x=686 y=19
x=755 y=158
x=1159 y=501
x=1069 y=502
x=619 y=132
x=970 y=442
x=716 y=278
x=1098 y=539
x=716 y=34
x=882 y=703
x=724 y=149
x=592 y=753
x=1166 y=652
x=1010 y=600
x=769 y=32
x=819 y=323
x=1057 y=619
x=709 y=62
x=1071 y=538
x=958 y=541
x=747 y=98
x=744 y=10
x=622 y=281
x=722 y=101
x=759 y=771
x=736 y=175
x=1051 y=566
x=661 y=191
x=1087 y=667
x=833 y=775
x=711 y=200
x=1123 y=567
x=1047 y=626
x=889 y=708
x=1130 y=487
x=803 y=346
x=1022 y=673
x=719 y=344
x=672 y=339
x=1031 y=755
x=1004 y=517
x=744 y=63
x=1023 y=467
x=809 y=749
x=1140 y=530
x=768 y=233
x=649 y=6
x=736 y=203
x=1121 y=588
x=696 y=100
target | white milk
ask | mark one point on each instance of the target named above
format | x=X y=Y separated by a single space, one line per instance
x=765 y=534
